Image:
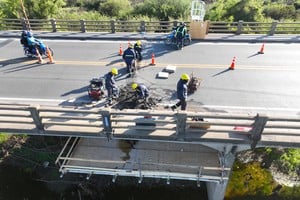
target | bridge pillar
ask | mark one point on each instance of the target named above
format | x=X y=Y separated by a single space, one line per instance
x=216 y=190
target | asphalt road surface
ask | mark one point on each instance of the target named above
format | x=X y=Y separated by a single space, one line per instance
x=262 y=83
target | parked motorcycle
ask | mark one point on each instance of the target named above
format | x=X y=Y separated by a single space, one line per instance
x=171 y=40
x=40 y=46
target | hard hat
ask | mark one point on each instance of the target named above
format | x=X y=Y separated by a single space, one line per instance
x=29 y=34
x=114 y=71
x=134 y=86
x=185 y=77
x=24 y=32
x=130 y=45
x=138 y=42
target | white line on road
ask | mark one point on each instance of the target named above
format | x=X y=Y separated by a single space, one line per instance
x=30 y=100
x=252 y=108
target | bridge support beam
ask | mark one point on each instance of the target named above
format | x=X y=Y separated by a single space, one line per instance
x=216 y=191
x=227 y=154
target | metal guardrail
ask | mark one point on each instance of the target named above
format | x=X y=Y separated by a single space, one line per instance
x=151 y=125
x=113 y=26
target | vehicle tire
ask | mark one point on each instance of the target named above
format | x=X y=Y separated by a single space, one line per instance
x=168 y=41
x=186 y=42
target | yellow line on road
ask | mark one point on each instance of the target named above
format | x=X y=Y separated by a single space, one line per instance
x=145 y=64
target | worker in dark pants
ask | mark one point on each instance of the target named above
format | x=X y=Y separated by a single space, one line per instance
x=129 y=57
x=110 y=84
x=182 y=89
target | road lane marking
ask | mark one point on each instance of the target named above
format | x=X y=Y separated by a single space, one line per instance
x=31 y=100
x=251 y=108
x=179 y=65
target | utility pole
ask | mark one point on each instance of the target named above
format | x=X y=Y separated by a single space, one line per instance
x=25 y=16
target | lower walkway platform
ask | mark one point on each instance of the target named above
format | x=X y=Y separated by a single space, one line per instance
x=141 y=159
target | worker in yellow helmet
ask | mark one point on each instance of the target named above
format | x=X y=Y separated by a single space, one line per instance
x=141 y=90
x=138 y=50
x=110 y=85
x=182 y=90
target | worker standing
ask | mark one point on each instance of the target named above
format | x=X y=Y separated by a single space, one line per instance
x=182 y=89
x=110 y=85
x=138 y=50
x=129 y=57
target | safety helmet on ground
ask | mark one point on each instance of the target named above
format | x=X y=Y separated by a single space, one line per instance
x=114 y=71
x=185 y=77
x=139 y=42
x=134 y=86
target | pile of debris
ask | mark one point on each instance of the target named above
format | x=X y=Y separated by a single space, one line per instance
x=128 y=100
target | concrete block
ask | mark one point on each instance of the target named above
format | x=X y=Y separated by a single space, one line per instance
x=163 y=75
x=170 y=69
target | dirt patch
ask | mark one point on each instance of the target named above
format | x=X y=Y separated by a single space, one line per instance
x=128 y=100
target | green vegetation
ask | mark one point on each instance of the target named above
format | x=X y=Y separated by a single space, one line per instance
x=3 y=138
x=249 y=179
x=254 y=10
x=221 y=10
x=253 y=180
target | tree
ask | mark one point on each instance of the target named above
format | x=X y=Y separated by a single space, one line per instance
x=34 y=8
x=116 y=8
x=164 y=10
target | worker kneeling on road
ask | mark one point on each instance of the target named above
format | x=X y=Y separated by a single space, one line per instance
x=141 y=90
x=182 y=89
x=110 y=84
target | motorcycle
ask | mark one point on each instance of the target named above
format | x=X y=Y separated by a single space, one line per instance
x=171 y=40
x=40 y=46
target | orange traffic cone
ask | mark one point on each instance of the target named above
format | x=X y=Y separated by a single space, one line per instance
x=40 y=59
x=120 y=51
x=232 y=64
x=51 y=61
x=261 y=51
x=152 y=59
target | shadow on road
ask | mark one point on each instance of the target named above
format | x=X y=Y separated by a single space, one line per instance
x=5 y=63
x=76 y=91
x=253 y=55
x=21 y=68
x=217 y=74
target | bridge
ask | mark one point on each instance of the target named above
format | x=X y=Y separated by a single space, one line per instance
x=196 y=146
x=155 y=143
